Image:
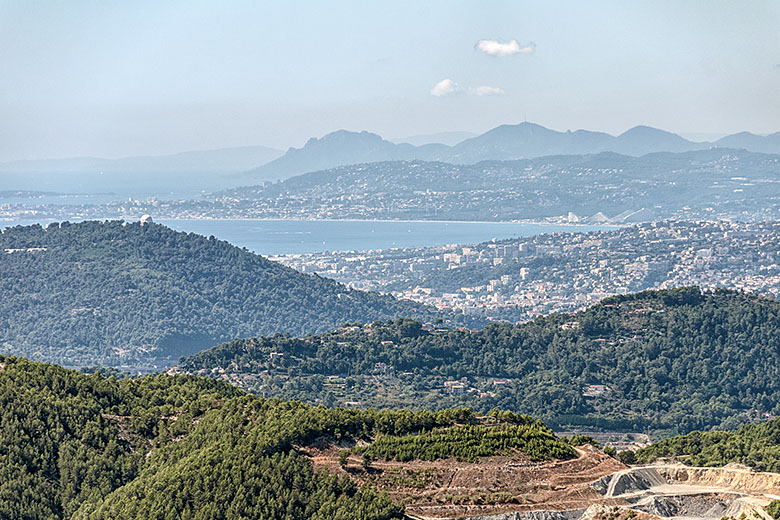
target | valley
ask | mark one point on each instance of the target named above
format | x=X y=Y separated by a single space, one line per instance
x=412 y=418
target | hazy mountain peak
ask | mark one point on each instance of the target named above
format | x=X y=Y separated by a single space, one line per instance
x=743 y=134
x=524 y=127
x=505 y=142
x=643 y=139
x=753 y=142
x=339 y=148
x=445 y=138
x=343 y=134
x=647 y=131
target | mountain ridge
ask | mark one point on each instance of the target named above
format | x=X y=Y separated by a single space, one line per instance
x=660 y=185
x=344 y=147
x=504 y=142
x=640 y=362
x=218 y=160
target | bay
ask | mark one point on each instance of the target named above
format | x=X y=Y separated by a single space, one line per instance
x=278 y=237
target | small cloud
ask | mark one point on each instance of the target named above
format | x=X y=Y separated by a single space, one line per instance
x=777 y=66
x=497 y=48
x=445 y=87
x=486 y=91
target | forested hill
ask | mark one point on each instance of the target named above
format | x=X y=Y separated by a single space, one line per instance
x=83 y=447
x=674 y=360
x=122 y=293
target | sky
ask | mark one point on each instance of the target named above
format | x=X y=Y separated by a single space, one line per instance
x=118 y=78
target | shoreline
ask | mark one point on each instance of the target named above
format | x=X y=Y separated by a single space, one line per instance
x=267 y=236
x=399 y=221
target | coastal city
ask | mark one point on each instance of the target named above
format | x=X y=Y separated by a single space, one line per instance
x=585 y=189
x=520 y=279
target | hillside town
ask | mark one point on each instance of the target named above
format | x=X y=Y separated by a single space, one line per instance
x=600 y=189
x=520 y=279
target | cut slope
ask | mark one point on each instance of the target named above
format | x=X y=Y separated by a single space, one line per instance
x=448 y=488
x=670 y=490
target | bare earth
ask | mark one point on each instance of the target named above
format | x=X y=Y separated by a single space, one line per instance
x=452 y=489
x=598 y=487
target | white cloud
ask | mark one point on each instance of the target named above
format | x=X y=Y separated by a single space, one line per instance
x=497 y=48
x=445 y=87
x=486 y=91
x=448 y=87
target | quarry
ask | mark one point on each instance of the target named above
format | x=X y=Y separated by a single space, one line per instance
x=667 y=491
x=592 y=486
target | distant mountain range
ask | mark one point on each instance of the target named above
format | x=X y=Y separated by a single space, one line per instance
x=189 y=175
x=223 y=160
x=716 y=183
x=343 y=147
x=506 y=142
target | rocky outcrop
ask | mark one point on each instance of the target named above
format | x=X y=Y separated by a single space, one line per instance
x=734 y=479
x=670 y=491
x=628 y=482
x=705 y=505
x=636 y=480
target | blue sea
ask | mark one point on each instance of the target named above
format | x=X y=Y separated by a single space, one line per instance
x=275 y=237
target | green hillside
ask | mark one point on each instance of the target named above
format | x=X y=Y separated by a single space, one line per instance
x=755 y=445
x=672 y=360
x=76 y=446
x=120 y=293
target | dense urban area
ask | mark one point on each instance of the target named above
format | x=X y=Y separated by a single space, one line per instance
x=520 y=279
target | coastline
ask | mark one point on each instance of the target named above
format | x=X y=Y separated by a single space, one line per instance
x=133 y=218
x=295 y=236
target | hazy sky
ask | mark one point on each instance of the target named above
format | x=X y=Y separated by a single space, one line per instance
x=113 y=78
